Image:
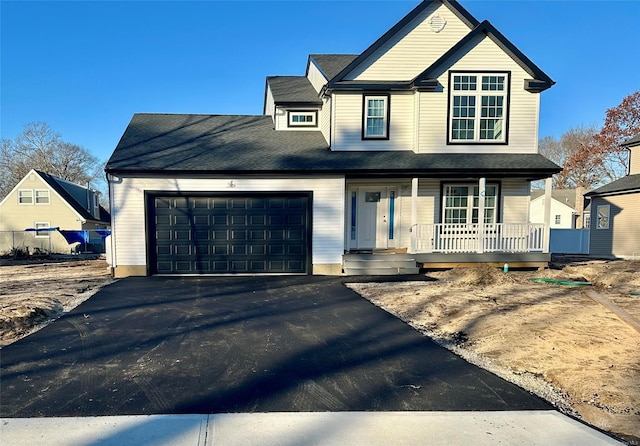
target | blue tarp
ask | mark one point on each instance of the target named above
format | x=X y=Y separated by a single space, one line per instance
x=103 y=233
x=75 y=236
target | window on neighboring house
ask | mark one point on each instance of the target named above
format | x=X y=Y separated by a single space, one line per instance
x=42 y=196
x=461 y=203
x=375 y=123
x=25 y=196
x=306 y=118
x=603 y=216
x=558 y=218
x=587 y=221
x=40 y=225
x=478 y=107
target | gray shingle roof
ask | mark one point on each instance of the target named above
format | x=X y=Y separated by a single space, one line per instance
x=63 y=187
x=183 y=143
x=332 y=64
x=622 y=185
x=293 y=89
x=564 y=196
x=632 y=141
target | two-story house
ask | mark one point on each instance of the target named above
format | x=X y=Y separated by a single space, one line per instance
x=615 y=232
x=43 y=211
x=424 y=144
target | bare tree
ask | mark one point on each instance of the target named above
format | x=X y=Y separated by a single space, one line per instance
x=39 y=147
x=574 y=151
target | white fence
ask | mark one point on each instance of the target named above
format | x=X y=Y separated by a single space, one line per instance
x=499 y=237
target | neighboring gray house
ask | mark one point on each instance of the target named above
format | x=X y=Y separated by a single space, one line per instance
x=41 y=201
x=615 y=231
x=424 y=144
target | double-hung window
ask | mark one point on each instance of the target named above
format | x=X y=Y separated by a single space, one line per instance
x=25 y=196
x=461 y=203
x=478 y=107
x=42 y=230
x=42 y=196
x=375 y=123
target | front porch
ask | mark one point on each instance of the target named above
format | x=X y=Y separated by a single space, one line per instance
x=439 y=245
x=396 y=226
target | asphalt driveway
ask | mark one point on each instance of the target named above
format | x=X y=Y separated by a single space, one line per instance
x=173 y=345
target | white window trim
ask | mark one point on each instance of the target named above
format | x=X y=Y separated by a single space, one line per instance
x=558 y=219
x=603 y=223
x=45 y=224
x=20 y=202
x=35 y=197
x=385 y=116
x=312 y=113
x=478 y=93
x=470 y=206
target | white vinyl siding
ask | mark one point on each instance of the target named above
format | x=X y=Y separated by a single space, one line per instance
x=269 y=105
x=348 y=115
x=522 y=135
x=324 y=115
x=515 y=201
x=566 y=213
x=413 y=49
x=315 y=77
x=128 y=210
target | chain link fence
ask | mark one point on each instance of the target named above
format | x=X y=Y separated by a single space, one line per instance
x=33 y=243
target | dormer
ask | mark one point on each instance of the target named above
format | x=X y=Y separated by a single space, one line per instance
x=292 y=102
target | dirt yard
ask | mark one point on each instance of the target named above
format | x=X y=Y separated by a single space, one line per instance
x=33 y=294
x=553 y=340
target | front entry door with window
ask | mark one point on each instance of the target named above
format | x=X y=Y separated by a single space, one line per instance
x=373 y=217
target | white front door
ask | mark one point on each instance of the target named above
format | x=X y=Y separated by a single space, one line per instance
x=375 y=214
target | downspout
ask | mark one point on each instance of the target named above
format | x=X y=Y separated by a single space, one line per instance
x=112 y=238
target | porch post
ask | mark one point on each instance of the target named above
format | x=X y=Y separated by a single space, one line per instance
x=482 y=185
x=548 y=184
x=414 y=215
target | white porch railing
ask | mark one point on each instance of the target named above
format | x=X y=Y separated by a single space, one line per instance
x=499 y=237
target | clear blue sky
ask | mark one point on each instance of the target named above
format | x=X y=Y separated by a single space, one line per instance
x=86 y=67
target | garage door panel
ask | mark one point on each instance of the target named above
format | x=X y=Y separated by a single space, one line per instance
x=234 y=234
x=203 y=220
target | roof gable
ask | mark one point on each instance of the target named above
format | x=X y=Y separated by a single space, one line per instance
x=404 y=27
x=539 y=82
x=65 y=191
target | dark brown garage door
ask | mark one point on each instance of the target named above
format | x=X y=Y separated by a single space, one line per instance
x=229 y=234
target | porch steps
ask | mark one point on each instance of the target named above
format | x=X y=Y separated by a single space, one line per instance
x=379 y=264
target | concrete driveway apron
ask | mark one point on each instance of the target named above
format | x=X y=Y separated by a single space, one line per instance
x=190 y=345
